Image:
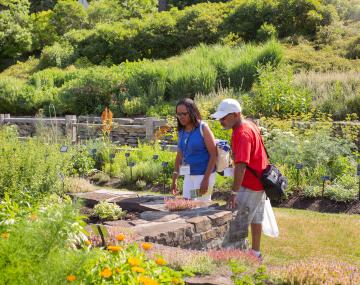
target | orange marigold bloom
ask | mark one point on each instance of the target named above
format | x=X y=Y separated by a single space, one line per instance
x=71 y=278
x=147 y=245
x=114 y=248
x=133 y=261
x=106 y=273
x=160 y=261
x=147 y=281
x=5 y=235
x=138 y=269
x=120 y=237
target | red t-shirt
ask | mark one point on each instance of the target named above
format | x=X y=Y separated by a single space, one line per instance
x=247 y=148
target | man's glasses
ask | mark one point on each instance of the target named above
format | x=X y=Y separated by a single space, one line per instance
x=181 y=114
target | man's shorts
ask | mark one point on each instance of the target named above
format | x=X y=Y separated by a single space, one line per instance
x=250 y=210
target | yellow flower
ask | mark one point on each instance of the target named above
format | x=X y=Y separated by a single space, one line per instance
x=160 y=261
x=70 y=278
x=147 y=281
x=87 y=242
x=176 y=281
x=118 y=270
x=120 y=237
x=147 y=246
x=114 y=248
x=106 y=273
x=138 y=269
x=5 y=235
x=133 y=261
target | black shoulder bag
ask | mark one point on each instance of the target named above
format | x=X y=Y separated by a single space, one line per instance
x=273 y=181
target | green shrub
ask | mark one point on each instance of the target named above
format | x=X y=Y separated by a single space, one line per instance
x=140 y=184
x=30 y=170
x=68 y=15
x=108 y=211
x=44 y=33
x=37 y=248
x=90 y=92
x=58 y=55
x=266 y=32
x=353 y=50
x=276 y=94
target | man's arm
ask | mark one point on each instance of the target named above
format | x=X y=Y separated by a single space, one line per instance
x=239 y=173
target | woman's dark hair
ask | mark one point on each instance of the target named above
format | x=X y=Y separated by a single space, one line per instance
x=193 y=111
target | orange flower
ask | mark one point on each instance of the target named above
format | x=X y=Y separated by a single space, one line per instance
x=147 y=245
x=5 y=235
x=118 y=270
x=120 y=237
x=33 y=217
x=70 y=278
x=147 y=281
x=133 y=261
x=160 y=261
x=138 y=269
x=114 y=248
x=106 y=273
x=87 y=242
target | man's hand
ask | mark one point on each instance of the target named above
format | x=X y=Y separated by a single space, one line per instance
x=232 y=202
x=175 y=190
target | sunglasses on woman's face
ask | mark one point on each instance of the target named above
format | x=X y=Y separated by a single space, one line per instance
x=181 y=114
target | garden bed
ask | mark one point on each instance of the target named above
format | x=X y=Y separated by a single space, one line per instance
x=207 y=226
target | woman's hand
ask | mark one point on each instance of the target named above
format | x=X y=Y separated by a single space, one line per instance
x=175 y=189
x=204 y=186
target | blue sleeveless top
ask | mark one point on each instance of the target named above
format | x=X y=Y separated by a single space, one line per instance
x=193 y=149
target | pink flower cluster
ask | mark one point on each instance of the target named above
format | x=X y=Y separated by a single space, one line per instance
x=179 y=204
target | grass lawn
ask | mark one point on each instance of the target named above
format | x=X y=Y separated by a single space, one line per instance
x=307 y=234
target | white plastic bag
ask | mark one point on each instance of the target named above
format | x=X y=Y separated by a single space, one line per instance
x=269 y=225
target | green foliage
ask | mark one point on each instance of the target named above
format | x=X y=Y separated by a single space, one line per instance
x=15 y=28
x=90 y=92
x=320 y=153
x=266 y=32
x=335 y=93
x=108 y=11
x=276 y=94
x=30 y=170
x=108 y=211
x=36 y=250
x=68 y=15
x=82 y=162
x=43 y=32
x=41 y=5
x=58 y=55
x=353 y=50
x=243 y=275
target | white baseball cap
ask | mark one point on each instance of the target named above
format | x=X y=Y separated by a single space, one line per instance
x=227 y=106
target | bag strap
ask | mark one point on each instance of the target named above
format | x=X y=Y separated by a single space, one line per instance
x=202 y=124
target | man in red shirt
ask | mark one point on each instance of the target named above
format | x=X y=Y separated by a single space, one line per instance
x=249 y=157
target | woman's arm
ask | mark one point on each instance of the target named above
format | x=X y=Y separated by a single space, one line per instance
x=176 y=172
x=211 y=148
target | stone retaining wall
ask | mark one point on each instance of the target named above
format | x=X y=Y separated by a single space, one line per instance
x=124 y=132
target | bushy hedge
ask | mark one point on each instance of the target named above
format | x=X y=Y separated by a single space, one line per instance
x=130 y=88
x=165 y=34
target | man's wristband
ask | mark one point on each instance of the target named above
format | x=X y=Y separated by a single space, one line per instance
x=234 y=192
x=175 y=172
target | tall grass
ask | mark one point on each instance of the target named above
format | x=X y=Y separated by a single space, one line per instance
x=336 y=93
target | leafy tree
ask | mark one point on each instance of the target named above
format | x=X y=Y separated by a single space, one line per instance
x=15 y=28
x=68 y=15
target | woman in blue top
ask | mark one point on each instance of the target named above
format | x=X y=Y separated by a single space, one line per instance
x=196 y=155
